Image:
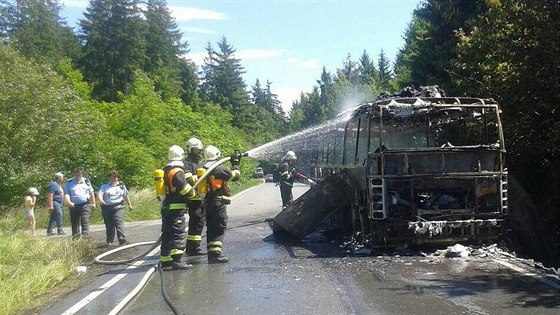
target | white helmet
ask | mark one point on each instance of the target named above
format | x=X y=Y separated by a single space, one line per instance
x=212 y=153
x=194 y=143
x=291 y=156
x=175 y=153
x=33 y=191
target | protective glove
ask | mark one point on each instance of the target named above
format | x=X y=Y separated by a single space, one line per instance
x=235 y=159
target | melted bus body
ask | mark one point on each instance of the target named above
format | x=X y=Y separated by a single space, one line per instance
x=417 y=169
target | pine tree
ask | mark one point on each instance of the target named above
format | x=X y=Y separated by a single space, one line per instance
x=37 y=30
x=263 y=97
x=349 y=70
x=384 y=71
x=368 y=73
x=164 y=47
x=223 y=83
x=113 y=45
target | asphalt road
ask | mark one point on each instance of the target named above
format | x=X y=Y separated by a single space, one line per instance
x=267 y=275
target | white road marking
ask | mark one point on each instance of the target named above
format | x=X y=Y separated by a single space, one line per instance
x=90 y=297
x=524 y=272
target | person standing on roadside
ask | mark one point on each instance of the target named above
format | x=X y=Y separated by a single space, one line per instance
x=113 y=196
x=29 y=206
x=55 y=198
x=80 y=199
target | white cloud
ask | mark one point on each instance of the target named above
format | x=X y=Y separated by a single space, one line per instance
x=287 y=95
x=197 y=58
x=257 y=54
x=82 y=4
x=197 y=30
x=189 y=14
x=310 y=64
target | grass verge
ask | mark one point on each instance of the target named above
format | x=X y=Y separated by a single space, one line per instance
x=31 y=266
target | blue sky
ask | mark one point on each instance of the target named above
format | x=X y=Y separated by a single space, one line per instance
x=287 y=41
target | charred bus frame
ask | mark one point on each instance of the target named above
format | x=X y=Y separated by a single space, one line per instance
x=421 y=169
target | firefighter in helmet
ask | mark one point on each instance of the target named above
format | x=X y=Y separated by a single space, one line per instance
x=218 y=196
x=173 y=209
x=287 y=176
x=195 y=166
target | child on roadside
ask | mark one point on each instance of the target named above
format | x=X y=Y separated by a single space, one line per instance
x=29 y=206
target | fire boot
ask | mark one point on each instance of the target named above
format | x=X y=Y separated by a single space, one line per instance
x=195 y=252
x=176 y=262
x=216 y=258
x=173 y=265
x=193 y=247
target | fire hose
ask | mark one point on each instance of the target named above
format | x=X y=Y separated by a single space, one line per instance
x=137 y=289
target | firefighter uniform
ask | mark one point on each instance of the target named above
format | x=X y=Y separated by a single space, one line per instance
x=173 y=210
x=216 y=200
x=287 y=177
x=197 y=216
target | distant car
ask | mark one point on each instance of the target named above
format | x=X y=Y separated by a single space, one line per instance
x=258 y=173
x=269 y=178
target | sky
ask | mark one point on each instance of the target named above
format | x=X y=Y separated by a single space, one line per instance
x=286 y=42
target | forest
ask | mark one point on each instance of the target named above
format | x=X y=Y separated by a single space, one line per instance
x=116 y=91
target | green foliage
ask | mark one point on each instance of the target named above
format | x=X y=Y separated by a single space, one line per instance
x=75 y=78
x=430 y=42
x=512 y=55
x=40 y=122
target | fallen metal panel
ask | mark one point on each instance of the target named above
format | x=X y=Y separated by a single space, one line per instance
x=306 y=213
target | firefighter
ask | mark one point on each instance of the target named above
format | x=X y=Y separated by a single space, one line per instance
x=197 y=217
x=216 y=200
x=287 y=176
x=173 y=210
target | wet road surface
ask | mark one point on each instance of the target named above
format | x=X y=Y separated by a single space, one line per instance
x=268 y=275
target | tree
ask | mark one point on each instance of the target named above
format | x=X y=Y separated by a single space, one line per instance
x=368 y=73
x=36 y=29
x=223 y=83
x=264 y=98
x=430 y=42
x=37 y=111
x=114 y=47
x=384 y=71
x=164 y=47
x=512 y=55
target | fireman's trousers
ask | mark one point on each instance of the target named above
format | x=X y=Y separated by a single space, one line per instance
x=216 y=224
x=172 y=232
x=286 y=193
x=197 y=220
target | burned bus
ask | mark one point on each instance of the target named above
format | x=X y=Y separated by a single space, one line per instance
x=414 y=169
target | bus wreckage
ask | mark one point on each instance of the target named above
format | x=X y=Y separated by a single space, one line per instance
x=410 y=169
